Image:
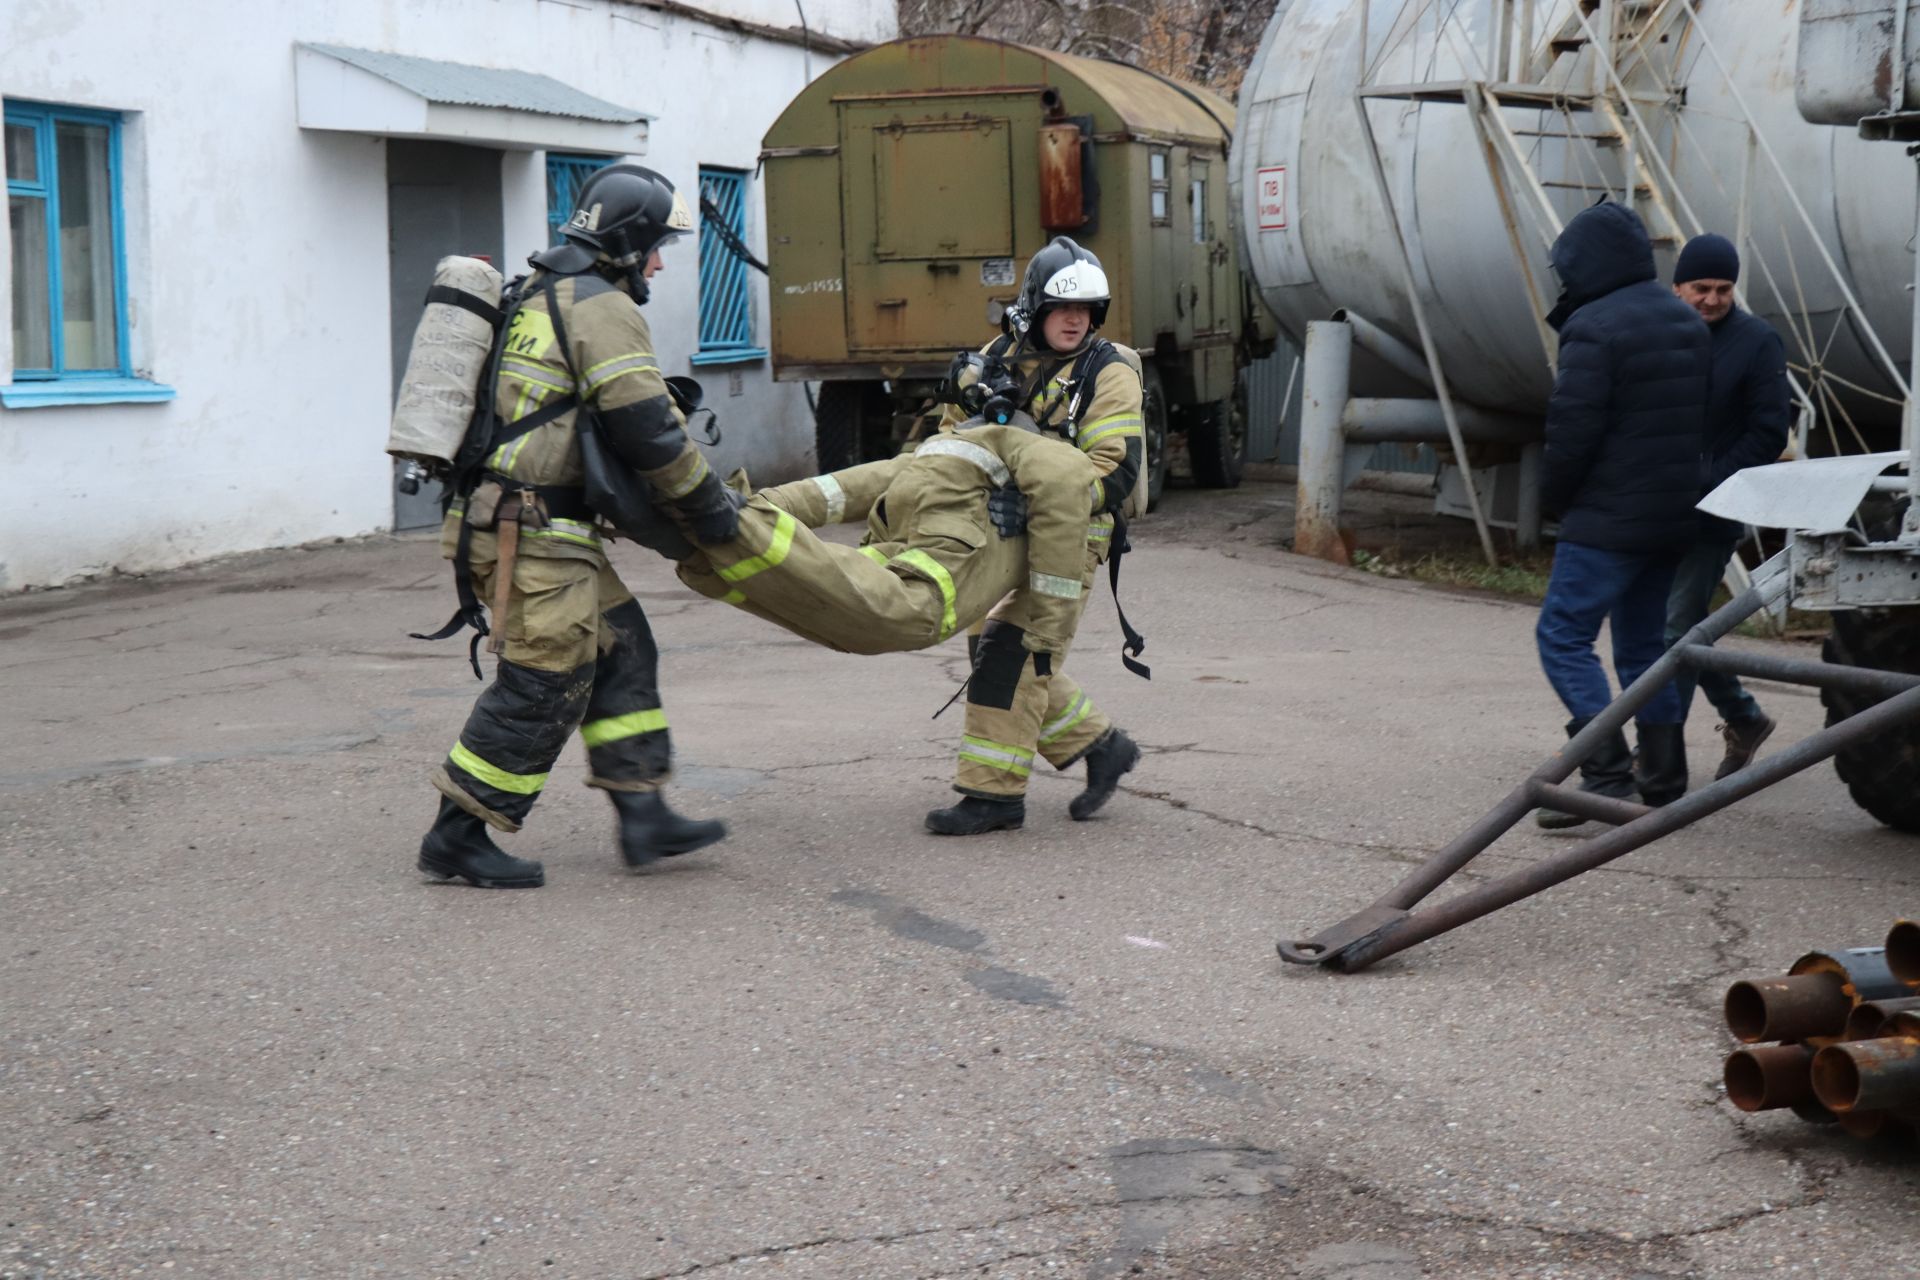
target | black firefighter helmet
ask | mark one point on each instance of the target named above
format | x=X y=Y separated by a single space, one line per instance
x=1061 y=272
x=622 y=214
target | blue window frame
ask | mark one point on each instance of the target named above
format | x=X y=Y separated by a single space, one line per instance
x=726 y=299
x=565 y=176
x=69 y=304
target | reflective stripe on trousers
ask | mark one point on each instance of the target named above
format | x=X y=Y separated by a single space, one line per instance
x=997 y=755
x=597 y=733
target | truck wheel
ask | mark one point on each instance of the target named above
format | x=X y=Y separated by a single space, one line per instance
x=1153 y=412
x=852 y=422
x=1217 y=439
x=1882 y=773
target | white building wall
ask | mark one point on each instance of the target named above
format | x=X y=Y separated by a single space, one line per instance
x=257 y=255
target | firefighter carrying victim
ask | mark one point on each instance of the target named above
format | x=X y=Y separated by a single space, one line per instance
x=985 y=516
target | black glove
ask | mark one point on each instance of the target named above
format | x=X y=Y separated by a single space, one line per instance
x=1007 y=508
x=718 y=522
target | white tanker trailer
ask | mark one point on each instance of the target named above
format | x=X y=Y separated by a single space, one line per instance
x=1493 y=121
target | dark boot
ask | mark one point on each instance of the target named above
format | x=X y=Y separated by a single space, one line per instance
x=1743 y=739
x=1607 y=772
x=458 y=847
x=976 y=815
x=649 y=831
x=1108 y=760
x=1661 y=769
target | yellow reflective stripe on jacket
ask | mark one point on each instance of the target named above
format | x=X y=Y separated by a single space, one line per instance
x=836 y=498
x=997 y=755
x=566 y=531
x=1114 y=424
x=1100 y=532
x=537 y=374
x=952 y=446
x=695 y=474
x=1052 y=584
x=783 y=527
x=941 y=578
x=1076 y=711
x=597 y=733
x=607 y=370
x=734 y=597
x=520 y=784
x=874 y=554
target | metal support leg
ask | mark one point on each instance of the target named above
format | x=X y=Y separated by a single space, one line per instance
x=1328 y=364
x=1530 y=520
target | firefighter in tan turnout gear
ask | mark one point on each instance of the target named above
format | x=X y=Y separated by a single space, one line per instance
x=939 y=552
x=1087 y=391
x=575 y=649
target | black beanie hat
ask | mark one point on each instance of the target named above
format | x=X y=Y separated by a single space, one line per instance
x=1707 y=257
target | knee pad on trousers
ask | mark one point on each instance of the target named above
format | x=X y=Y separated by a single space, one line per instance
x=999 y=660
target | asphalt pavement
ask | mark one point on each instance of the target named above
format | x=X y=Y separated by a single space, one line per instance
x=241 y=1037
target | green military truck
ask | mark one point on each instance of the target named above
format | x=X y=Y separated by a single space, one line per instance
x=907 y=187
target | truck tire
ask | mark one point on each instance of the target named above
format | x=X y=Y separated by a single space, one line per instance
x=1217 y=440
x=852 y=422
x=1153 y=413
x=1882 y=773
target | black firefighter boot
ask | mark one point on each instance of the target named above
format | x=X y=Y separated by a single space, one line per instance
x=1607 y=772
x=649 y=831
x=977 y=815
x=1660 y=771
x=1108 y=760
x=458 y=847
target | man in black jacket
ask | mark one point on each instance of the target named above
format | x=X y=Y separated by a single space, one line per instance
x=1622 y=473
x=1747 y=416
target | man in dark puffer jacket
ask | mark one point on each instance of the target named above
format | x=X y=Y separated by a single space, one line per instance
x=1747 y=421
x=1622 y=473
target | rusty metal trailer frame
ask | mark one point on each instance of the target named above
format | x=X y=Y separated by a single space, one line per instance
x=1391 y=924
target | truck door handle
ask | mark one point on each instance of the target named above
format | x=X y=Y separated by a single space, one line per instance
x=891 y=302
x=944 y=268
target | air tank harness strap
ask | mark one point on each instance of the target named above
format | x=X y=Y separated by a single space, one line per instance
x=1133 y=643
x=468 y=612
x=466 y=301
x=566 y=504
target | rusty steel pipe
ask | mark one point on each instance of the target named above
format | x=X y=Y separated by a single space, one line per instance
x=1863 y=1124
x=1863 y=972
x=1903 y=951
x=1779 y=1075
x=1792 y=1008
x=1868 y=1075
x=1905 y=1023
x=1869 y=1018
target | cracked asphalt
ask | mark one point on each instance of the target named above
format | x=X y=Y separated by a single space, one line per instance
x=243 y=1039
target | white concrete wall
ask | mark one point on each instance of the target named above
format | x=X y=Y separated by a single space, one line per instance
x=258 y=256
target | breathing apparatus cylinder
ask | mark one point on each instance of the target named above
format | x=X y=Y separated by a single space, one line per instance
x=448 y=360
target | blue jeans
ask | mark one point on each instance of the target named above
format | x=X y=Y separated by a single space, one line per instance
x=1627 y=589
x=1692 y=599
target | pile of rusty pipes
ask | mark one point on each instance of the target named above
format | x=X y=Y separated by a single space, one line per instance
x=1837 y=1040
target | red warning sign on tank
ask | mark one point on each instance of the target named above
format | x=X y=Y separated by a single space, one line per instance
x=1272 y=195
